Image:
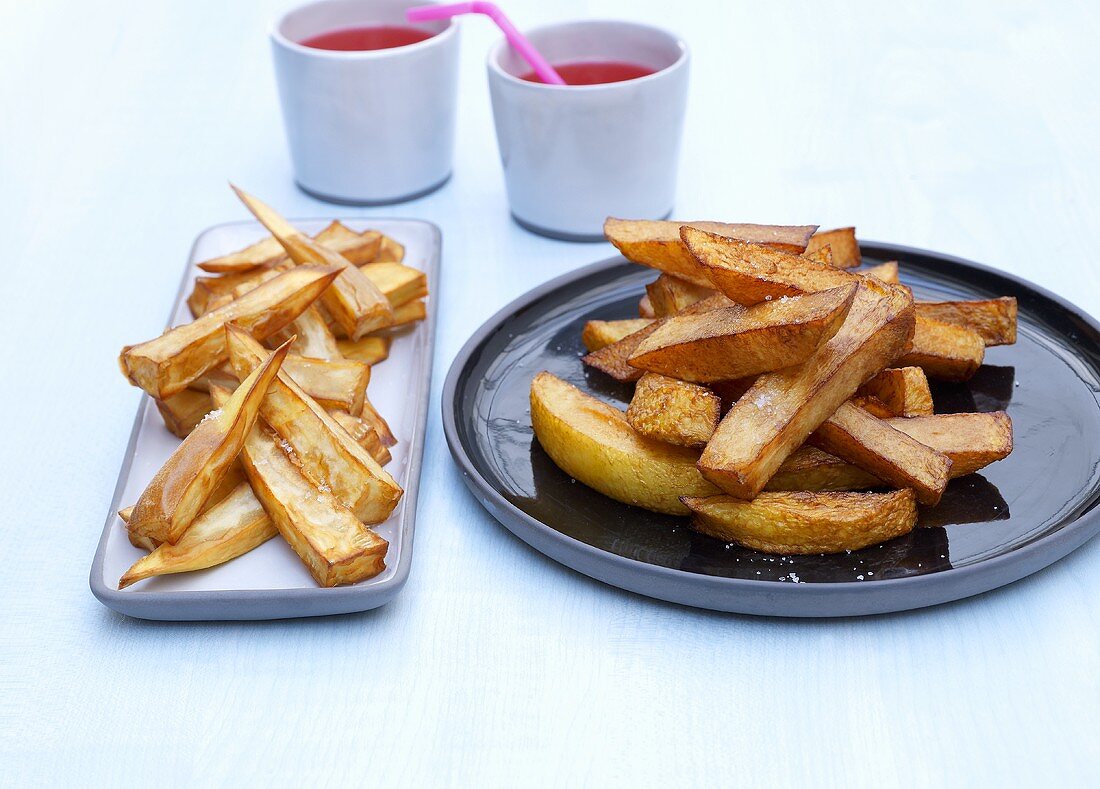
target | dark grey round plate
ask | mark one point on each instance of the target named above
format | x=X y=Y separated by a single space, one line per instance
x=1014 y=518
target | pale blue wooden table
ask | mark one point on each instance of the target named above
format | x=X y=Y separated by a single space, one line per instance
x=965 y=127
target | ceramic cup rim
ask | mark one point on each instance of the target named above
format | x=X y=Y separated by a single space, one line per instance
x=498 y=49
x=278 y=37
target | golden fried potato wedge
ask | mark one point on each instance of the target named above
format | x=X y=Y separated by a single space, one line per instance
x=612 y=359
x=944 y=350
x=599 y=334
x=368 y=350
x=334 y=384
x=668 y=294
x=883 y=272
x=364 y=434
x=389 y=251
x=782 y=408
x=592 y=442
x=993 y=319
x=971 y=441
x=645 y=308
x=183 y=411
x=231 y=528
x=820 y=255
x=356 y=247
x=177 y=493
x=167 y=364
x=872 y=444
x=325 y=534
x=673 y=411
x=354 y=302
x=735 y=342
x=657 y=243
x=842 y=244
x=872 y=405
x=325 y=452
x=903 y=390
x=800 y=522
x=399 y=284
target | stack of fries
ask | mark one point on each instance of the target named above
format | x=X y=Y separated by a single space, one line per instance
x=281 y=441
x=777 y=382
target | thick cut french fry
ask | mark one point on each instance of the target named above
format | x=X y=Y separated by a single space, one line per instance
x=389 y=251
x=325 y=451
x=782 y=408
x=803 y=523
x=177 y=493
x=883 y=272
x=612 y=359
x=673 y=411
x=312 y=335
x=409 y=312
x=669 y=294
x=231 y=528
x=167 y=364
x=364 y=434
x=599 y=334
x=735 y=342
x=971 y=441
x=993 y=319
x=592 y=442
x=842 y=244
x=399 y=284
x=657 y=243
x=326 y=535
x=356 y=247
x=863 y=440
x=903 y=390
x=354 y=302
x=368 y=350
x=183 y=411
x=820 y=255
x=945 y=350
x=645 y=308
x=336 y=385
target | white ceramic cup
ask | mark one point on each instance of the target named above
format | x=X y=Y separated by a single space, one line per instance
x=574 y=155
x=367 y=127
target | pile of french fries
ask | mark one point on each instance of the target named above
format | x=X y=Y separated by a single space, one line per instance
x=267 y=387
x=781 y=389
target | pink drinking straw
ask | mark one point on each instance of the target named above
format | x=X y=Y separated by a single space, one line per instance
x=519 y=42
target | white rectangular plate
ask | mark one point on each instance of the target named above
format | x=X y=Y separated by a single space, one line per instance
x=270 y=582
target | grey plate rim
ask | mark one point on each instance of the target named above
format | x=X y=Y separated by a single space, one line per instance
x=264 y=604
x=745 y=596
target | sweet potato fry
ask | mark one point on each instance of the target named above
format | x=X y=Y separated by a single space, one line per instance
x=903 y=390
x=325 y=534
x=177 y=493
x=368 y=350
x=389 y=251
x=364 y=434
x=333 y=384
x=231 y=528
x=356 y=247
x=354 y=302
x=803 y=523
x=598 y=334
x=993 y=319
x=409 y=312
x=874 y=445
x=735 y=342
x=668 y=294
x=167 y=364
x=782 y=408
x=673 y=411
x=971 y=441
x=944 y=350
x=325 y=452
x=657 y=243
x=312 y=335
x=399 y=284
x=842 y=244
x=592 y=442
x=183 y=411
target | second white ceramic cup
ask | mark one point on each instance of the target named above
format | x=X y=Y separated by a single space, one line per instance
x=574 y=155
x=367 y=127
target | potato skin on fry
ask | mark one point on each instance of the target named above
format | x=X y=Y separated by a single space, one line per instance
x=994 y=320
x=800 y=522
x=904 y=390
x=592 y=442
x=842 y=242
x=734 y=342
x=673 y=411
